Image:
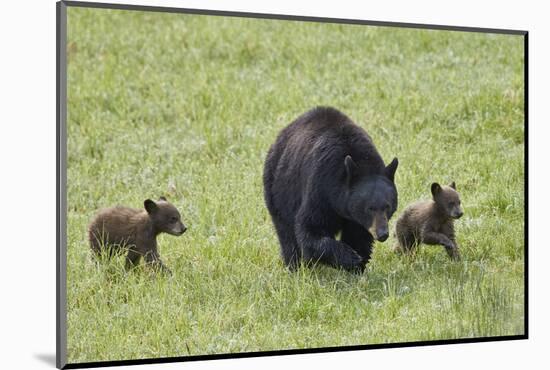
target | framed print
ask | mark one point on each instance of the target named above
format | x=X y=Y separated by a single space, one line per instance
x=236 y=184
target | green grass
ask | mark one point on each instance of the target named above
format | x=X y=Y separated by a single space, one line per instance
x=187 y=106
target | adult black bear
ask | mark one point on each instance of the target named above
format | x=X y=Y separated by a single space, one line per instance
x=324 y=175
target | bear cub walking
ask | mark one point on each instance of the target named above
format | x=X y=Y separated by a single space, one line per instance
x=120 y=228
x=431 y=222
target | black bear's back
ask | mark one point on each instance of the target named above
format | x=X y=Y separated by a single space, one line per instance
x=308 y=158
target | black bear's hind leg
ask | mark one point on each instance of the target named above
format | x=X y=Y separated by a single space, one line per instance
x=290 y=252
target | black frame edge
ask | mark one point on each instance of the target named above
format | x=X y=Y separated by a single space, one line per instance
x=61 y=240
x=286 y=17
x=526 y=179
x=302 y=351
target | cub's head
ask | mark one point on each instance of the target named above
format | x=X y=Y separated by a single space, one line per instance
x=165 y=216
x=372 y=200
x=447 y=199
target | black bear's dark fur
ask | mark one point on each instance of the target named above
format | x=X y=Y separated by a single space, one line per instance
x=323 y=175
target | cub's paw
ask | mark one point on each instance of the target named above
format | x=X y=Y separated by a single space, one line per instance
x=160 y=268
x=455 y=255
x=453 y=252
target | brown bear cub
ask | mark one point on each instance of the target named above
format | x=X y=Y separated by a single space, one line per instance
x=431 y=222
x=119 y=229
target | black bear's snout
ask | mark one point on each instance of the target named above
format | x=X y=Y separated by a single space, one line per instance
x=382 y=237
x=379 y=228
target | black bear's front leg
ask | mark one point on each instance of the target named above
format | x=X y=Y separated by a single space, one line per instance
x=327 y=250
x=359 y=239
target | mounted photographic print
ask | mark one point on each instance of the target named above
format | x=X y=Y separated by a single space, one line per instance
x=236 y=184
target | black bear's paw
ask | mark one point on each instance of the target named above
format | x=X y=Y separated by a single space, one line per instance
x=353 y=262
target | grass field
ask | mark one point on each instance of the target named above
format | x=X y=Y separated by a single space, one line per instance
x=187 y=107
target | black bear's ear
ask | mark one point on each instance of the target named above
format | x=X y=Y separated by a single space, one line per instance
x=150 y=206
x=436 y=188
x=391 y=168
x=351 y=168
x=163 y=198
x=453 y=185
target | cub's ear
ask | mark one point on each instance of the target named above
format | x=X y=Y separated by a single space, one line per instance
x=163 y=198
x=150 y=206
x=391 y=168
x=351 y=168
x=436 y=188
x=453 y=185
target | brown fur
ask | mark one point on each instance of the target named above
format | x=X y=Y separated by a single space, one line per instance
x=119 y=229
x=431 y=222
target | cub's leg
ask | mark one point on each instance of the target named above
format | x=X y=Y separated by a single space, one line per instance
x=132 y=258
x=152 y=258
x=407 y=244
x=98 y=240
x=435 y=238
x=406 y=240
x=454 y=252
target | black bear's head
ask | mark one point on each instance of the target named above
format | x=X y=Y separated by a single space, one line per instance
x=165 y=217
x=447 y=199
x=371 y=199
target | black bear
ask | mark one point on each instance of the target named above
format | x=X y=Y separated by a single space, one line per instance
x=323 y=175
x=431 y=222
x=135 y=230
